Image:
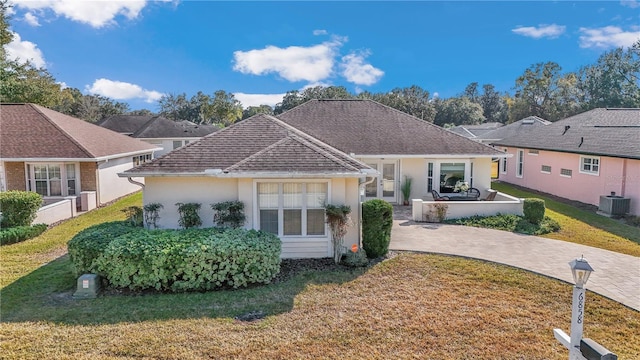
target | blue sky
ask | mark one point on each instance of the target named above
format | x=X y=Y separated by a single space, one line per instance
x=135 y=50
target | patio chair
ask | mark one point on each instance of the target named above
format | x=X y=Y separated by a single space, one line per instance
x=491 y=196
x=473 y=192
x=437 y=197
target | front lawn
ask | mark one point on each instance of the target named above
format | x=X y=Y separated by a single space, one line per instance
x=410 y=306
x=581 y=226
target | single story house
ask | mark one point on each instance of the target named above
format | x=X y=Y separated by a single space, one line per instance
x=59 y=156
x=515 y=128
x=581 y=158
x=286 y=168
x=157 y=130
x=477 y=130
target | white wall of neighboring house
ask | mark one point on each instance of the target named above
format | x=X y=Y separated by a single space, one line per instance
x=618 y=175
x=208 y=190
x=167 y=145
x=3 y=182
x=110 y=186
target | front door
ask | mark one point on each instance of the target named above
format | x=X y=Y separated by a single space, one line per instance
x=384 y=187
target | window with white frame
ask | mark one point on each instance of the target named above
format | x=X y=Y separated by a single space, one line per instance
x=520 y=163
x=566 y=172
x=503 y=167
x=590 y=165
x=52 y=179
x=292 y=209
x=545 y=169
x=141 y=159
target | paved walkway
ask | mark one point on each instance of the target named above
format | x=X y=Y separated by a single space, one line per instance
x=616 y=276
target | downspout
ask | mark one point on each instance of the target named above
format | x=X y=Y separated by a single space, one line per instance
x=135 y=182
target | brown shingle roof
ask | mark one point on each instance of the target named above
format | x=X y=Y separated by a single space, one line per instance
x=365 y=127
x=155 y=127
x=32 y=131
x=260 y=144
x=606 y=132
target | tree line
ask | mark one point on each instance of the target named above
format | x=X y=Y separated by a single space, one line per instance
x=543 y=90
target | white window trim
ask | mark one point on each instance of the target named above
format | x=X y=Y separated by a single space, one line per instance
x=256 y=208
x=594 y=173
x=566 y=176
x=533 y=154
x=30 y=177
x=519 y=163
x=436 y=171
x=503 y=164
x=544 y=172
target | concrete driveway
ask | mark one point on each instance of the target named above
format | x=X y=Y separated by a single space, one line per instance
x=616 y=276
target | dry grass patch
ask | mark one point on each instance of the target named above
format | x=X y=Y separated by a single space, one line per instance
x=412 y=306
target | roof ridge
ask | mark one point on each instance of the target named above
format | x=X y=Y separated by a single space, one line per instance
x=64 y=133
x=305 y=135
x=145 y=126
x=256 y=154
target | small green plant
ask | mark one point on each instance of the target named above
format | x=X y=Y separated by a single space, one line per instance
x=151 y=215
x=357 y=257
x=18 y=208
x=229 y=214
x=533 y=210
x=509 y=222
x=441 y=211
x=17 y=234
x=189 y=217
x=377 y=220
x=339 y=220
x=134 y=215
x=406 y=189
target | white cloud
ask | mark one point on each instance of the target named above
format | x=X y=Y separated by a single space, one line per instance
x=96 y=13
x=320 y=32
x=357 y=71
x=258 y=99
x=63 y=85
x=294 y=63
x=24 y=50
x=630 y=3
x=550 y=31
x=31 y=19
x=607 y=37
x=119 y=90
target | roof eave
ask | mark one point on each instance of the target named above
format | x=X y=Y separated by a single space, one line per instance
x=254 y=174
x=428 y=156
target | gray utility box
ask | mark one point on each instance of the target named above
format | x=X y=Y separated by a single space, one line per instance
x=88 y=287
x=614 y=205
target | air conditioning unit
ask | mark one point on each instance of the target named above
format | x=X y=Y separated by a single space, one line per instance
x=614 y=205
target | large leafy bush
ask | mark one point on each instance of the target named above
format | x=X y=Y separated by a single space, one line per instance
x=377 y=220
x=20 y=233
x=187 y=260
x=19 y=208
x=90 y=243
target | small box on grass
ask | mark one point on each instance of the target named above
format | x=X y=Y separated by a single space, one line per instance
x=88 y=287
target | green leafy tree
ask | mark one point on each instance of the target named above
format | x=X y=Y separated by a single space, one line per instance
x=412 y=100
x=294 y=98
x=494 y=105
x=254 y=110
x=458 y=111
x=613 y=81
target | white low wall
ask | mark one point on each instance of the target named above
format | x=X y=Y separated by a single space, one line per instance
x=503 y=204
x=58 y=211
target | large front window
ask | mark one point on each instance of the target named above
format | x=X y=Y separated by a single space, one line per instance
x=52 y=179
x=450 y=174
x=292 y=209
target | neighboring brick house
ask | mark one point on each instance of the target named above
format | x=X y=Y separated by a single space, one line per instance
x=285 y=168
x=59 y=156
x=157 y=130
x=579 y=158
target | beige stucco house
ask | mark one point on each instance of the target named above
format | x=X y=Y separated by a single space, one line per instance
x=59 y=156
x=286 y=168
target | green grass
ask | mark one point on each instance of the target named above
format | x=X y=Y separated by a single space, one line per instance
x=581 y=226
x=412 y=306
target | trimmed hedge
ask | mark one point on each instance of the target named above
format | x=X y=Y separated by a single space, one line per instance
x=377 y=220
x=19 y=208
x=184 y=260
x=20 y=233
x=90 y=243
x=533 y=210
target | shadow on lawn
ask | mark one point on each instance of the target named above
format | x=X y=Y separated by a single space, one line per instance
x=46 y=295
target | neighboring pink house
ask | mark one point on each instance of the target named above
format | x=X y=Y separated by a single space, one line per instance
x=579 y=158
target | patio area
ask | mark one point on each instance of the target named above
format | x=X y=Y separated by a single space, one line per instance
x=436 y=211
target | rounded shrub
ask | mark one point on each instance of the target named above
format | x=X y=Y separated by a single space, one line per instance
x=18 y=208
x=90 y=243
x=17 y=234
x=377 y=220
x=190 y=260
x=533 y=210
